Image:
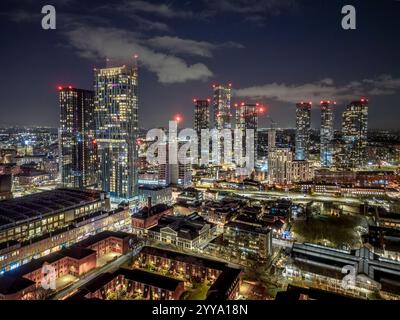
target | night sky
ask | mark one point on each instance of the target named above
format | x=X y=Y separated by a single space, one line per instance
x=275 y=52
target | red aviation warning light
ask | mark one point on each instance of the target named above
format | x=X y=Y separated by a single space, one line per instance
x=178 y=118
x=59 y=88
x=94 y=141
x=194 y=100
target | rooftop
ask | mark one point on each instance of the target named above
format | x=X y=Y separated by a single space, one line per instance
x=150 y=278
x=137 y=275
x=40 y=204
x=243 y=226
x=389 y=215
x=153 y=187
x=74 y=252
x=145 y=212
x=177 y=256
x=12 y=285
x=102 y=236
x=187 y=227
x=294 y=293
x=220 y=289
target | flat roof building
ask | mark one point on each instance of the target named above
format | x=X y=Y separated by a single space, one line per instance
x=137 y=283
x=30 y=216
x=225 y=279
x=15 y=253
x=75 y=260
x=373 y=272
x=187 y=232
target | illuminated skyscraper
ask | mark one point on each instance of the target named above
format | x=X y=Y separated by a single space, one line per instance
x=222 y=106
x=303 y=126
x=201 y=115
x=247 y=118
x=271 y=139
x=201 y=121
x=277 y=165
x=78 y=149
x=326 y=152
x=116 y=109
x=355 y=129
x=222 y=118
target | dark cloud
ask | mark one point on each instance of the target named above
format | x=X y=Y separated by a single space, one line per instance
x=178 y=45
x=323 y=89
x=121 y=45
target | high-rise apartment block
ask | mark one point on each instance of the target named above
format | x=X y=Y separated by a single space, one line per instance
x=303 y=126
x=247 y=119
x=116 y=112
x=222 y=106
x=77 y=143
x=201 y=122
x=326 y=148
x=355 y=130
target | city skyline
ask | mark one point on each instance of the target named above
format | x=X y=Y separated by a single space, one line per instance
x=203 y=150
x=196 y=59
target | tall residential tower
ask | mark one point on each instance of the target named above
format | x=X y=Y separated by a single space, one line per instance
x=222 y=119
x=355 y=129
x=222 y=106
x=326 y=149
x=201 y=121
x=303 y=126
x=78 y=148
x=247 y=118
x=116 y=110
x=201 y=115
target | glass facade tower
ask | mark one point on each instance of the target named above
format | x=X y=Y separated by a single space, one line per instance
x=303 y=126
x=116 y=111
x=78 y=147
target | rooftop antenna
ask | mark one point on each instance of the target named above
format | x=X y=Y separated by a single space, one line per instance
x=135 y=60
x=273 y=123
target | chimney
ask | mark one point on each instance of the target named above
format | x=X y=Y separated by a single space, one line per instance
x=149 y=202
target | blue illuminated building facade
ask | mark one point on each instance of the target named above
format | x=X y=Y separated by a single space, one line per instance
x=326 y=150
x=303 y=126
